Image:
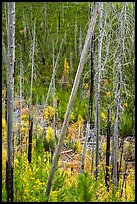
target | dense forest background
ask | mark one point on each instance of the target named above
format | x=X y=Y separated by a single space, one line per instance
x=49 y=41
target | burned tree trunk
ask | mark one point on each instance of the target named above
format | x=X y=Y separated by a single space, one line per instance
x=30 y=108
x=108 y=149
x=98 y=88
x=30 y=139
x=90 y=105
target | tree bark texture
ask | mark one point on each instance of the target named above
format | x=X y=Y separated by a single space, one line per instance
x=98 y=88
x=90 y=105
x=117 y=115
x=10 y=100
x=108 y=148
x=30 y=139
x=30 y=108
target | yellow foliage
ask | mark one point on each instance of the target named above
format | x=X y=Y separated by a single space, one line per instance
x=3 y=92
x=49 y=112
x=3 y=123
x=78 y=147
x=72 y=117
x=3 y=130
x=49 y=134
x=86 y=86
x=4 y=154
x=25 y=117
x=71 y=134
x=125 y=105
x=66 y=68
x=108 y=94
x=54 y=196
x=80 y=119
x=103 y=116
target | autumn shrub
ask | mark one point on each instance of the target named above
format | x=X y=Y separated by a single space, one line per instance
x=78 y=147
x=30 y=179
x=49 y=140
x=49 y=113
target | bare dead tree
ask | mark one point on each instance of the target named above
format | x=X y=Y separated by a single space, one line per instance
x=85 y=148
x=98 y=88
x=90 y=104
x=54 y=101
x=75 y=32
x=10 y=100
x=44 y=38
x=117 y=115
x=70 y=103
x=30 y=107
x=107 y=179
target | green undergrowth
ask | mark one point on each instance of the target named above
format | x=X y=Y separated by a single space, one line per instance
x=30 y=181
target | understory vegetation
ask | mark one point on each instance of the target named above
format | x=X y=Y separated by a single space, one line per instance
x=100 y=137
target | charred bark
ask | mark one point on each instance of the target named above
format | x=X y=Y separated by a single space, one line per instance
x=30 y=139
x=107 y=179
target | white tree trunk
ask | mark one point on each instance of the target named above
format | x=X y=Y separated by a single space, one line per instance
x=70 y=103
x=85 y=148
x=117 y=115
x=10 y=99
x=98 y=87
x=76 y=37
x=54 y=101
x=20 y=124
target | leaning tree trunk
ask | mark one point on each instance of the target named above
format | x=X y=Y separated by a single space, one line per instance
x=54 y=101
x=10 y=100
x=30 y=108
x=70 y=103
x=98 y=88
x=75 y=32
